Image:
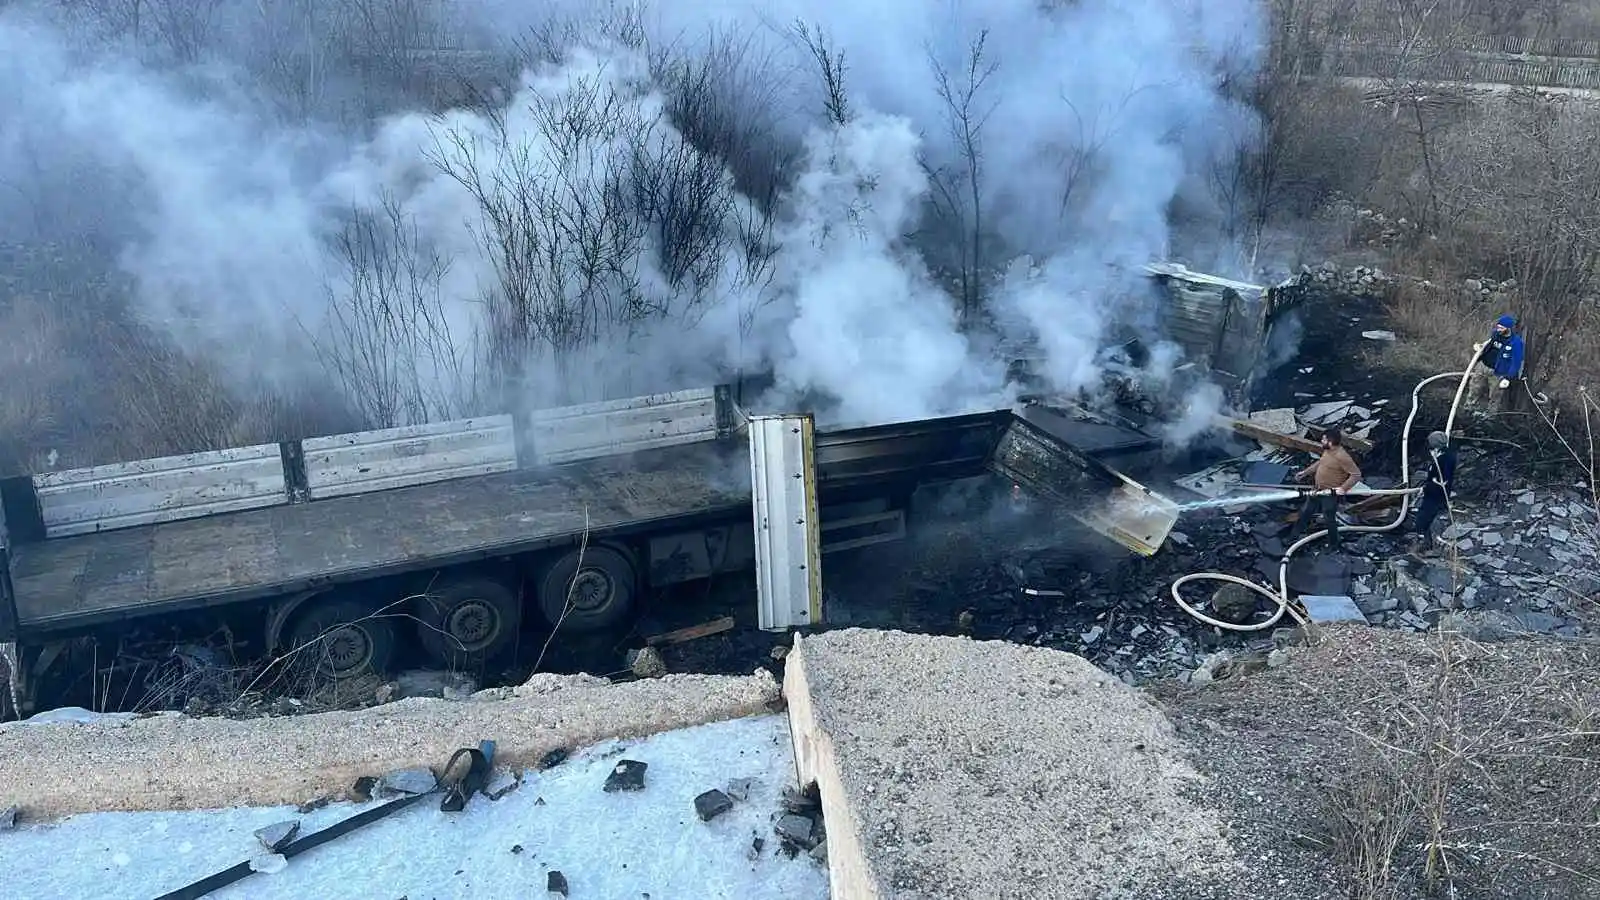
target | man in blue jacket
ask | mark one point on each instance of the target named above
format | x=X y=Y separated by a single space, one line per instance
x=1501 y=358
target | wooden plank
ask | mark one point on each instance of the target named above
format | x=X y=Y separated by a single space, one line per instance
x=1286 y=441
x=1268 y=436
x=693 y=632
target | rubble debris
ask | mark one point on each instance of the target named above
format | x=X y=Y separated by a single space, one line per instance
x=8 y=818
x=796 y=831
x=739 y=788
x=276 y=836
x=269 y=864
x=361 y=790
x=711 y=804
x=419 y=780
x=431 y=683
x=820 y=852
x=554 y=758
x=646 y=662
x=628 y=775
x=802 y=802
x=1234 y=603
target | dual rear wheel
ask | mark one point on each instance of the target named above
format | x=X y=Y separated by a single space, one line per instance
x=465 y=620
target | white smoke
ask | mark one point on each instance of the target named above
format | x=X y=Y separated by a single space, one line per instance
x=1098 y=117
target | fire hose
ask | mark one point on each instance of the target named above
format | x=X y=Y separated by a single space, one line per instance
x=1280 y=598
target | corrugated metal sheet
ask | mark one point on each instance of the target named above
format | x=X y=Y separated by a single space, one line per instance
x=147 y=491
x=363 y=461
x=788 y=534
x=571 y=433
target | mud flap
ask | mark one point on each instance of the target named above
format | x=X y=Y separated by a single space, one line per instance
x=1096 y=495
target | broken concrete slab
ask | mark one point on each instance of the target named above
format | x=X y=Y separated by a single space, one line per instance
x=943 y=762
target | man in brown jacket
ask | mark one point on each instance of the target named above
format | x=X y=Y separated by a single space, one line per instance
x=1334 y=473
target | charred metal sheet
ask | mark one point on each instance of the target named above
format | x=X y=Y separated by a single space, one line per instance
x=913 y=452
x=1091 y=492
x=1095 y=435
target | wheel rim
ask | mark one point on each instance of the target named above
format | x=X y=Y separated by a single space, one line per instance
x=473 y=624
x=591 y=590
x=346 y=649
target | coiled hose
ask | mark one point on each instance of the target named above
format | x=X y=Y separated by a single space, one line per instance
x=1281 y=598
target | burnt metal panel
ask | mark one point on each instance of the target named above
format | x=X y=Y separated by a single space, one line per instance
x=928 y=450
x=1088 y=490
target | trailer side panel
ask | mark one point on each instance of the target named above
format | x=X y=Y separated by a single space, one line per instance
x=99 y=578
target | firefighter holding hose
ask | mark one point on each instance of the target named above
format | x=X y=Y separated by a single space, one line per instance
x=1500 y=359
x=1334 y=473
x=1438 y=479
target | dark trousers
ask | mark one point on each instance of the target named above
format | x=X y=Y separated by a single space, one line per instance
x=1324 y=505
x=1433 y=503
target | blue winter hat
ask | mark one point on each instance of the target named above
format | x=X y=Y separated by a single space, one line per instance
x=1507 y=321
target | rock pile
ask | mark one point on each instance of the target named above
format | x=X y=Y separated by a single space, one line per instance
x=1535 y=560
x=1360 y=280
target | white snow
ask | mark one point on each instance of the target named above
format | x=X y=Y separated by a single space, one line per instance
x=77 y=715
x=609 y=846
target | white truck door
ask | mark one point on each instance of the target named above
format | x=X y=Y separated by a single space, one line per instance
x=788 y=538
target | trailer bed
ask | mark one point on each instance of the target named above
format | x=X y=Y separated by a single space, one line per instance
x=98 y=578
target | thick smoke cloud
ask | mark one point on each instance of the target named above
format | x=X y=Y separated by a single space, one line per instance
x=429 y=262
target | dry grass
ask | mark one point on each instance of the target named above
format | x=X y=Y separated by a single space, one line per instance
x=1440 y=320
x=1415 y=764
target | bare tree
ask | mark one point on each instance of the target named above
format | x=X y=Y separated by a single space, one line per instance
x=1423 y=32
x=389 y=341
x=831 y=69
x=600 y=221
x=1525 y=184
x=958 y=186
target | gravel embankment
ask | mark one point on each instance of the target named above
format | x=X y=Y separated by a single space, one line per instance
x=173 y=762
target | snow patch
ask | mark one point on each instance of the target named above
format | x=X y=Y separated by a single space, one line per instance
x=625 y=844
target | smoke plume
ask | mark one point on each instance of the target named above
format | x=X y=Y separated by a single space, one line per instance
x=996 y=174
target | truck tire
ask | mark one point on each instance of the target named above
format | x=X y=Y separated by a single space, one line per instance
x=470 y=620
x=349 y=639
x=601 y=589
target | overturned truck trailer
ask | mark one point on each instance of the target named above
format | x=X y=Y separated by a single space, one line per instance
x=444 y=537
